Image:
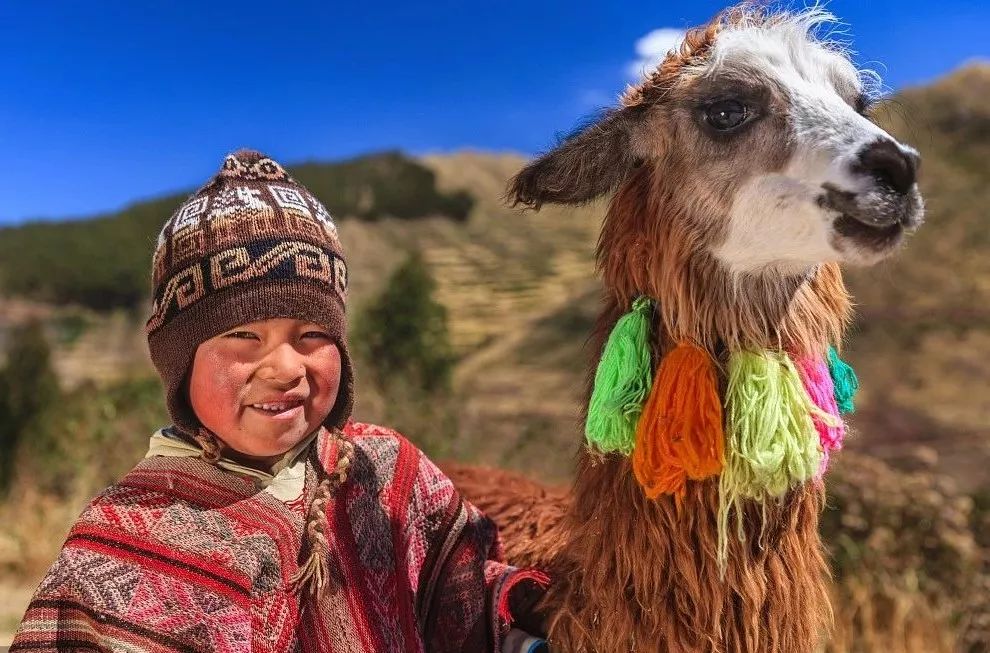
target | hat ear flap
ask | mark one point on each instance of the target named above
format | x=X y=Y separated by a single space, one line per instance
x=585 y=165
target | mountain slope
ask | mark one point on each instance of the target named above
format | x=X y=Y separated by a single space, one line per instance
x=521 y=296
x=103 y=262
x=922 y=342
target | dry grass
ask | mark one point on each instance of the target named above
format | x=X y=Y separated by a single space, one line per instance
x=35 y=527
x=907 y=564
x=13 y=603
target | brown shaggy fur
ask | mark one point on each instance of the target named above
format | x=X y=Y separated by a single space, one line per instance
x=529 y=515
x=645 y=578
x=629 y=573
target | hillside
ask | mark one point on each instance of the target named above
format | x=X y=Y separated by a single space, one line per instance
x=497 y=269
x=520 y=293
x=102 y=262
x=922 y=341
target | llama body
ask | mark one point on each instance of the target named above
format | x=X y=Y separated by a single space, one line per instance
x=743 y=170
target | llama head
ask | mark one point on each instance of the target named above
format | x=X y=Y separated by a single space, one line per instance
x=752 y=143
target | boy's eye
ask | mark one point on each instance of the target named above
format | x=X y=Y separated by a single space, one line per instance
x=316 y=334
x=240 y=334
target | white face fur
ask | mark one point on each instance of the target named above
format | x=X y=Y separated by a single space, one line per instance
x=847 y=190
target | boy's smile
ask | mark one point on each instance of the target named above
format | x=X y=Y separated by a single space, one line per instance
x=262 y=387
x=286 y=408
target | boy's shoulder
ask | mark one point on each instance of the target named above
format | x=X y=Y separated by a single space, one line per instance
x=164 y=483
x=385 y=453
x=136 y=511
x=355 y=430
x=373 y=439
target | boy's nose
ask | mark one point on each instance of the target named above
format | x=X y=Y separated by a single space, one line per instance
x=283 y=366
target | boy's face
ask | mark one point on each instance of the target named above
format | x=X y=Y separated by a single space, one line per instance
x=262 y=387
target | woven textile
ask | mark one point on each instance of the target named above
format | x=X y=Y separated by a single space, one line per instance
x=182 y=556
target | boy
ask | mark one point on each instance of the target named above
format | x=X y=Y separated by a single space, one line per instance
x=264 y=519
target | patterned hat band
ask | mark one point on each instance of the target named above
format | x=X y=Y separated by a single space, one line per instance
x=257 y=261
x=239 y=212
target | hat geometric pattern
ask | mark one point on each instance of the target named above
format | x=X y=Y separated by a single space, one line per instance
x=248 y=230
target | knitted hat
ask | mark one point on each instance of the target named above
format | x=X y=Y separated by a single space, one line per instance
x=251 y=244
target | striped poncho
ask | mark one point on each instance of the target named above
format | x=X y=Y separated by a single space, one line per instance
x=183 y=556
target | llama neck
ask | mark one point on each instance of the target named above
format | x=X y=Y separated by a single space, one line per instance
x=702 y=304
x=641 y=574
x=637 y=574
x=801 y=314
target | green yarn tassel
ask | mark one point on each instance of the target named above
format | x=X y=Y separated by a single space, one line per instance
x=844 y=379
x=771 y=441
x=622 y=382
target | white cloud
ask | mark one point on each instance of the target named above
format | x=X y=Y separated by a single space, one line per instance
x=652 y=48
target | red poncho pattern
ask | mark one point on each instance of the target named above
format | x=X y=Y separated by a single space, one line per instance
x=183 y=556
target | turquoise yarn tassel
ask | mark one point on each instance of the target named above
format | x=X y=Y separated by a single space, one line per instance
x=844 y=379
x=622 y=382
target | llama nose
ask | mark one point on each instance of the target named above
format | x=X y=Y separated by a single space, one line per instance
x=890 y=165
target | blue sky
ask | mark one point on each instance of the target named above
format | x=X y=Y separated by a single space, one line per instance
x=104 y=103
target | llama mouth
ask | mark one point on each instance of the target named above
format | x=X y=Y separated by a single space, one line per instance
x=877 y=238
x=875 y=224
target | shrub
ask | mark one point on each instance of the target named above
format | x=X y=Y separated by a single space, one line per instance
x=905 y=561
x=402 y=340
x=28 y=387
x=404 y=331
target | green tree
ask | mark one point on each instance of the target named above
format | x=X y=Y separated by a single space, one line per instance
x=404 y=331
x=403 y=343
x=28 y=386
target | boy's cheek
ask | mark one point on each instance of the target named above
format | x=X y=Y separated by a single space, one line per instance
x=330 y=388
x=327 y=377
x=216 y=407
x=215 y=395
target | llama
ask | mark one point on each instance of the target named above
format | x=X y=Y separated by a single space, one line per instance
x=742 y=172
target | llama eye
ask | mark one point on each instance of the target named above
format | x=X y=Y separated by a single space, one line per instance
x=726 y=114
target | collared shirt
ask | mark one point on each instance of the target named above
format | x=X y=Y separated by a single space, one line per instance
x=285 y=480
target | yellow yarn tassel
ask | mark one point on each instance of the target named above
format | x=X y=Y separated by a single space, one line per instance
x=679 y=435
x=772 y=442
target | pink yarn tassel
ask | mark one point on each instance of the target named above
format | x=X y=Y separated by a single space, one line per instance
x=818 y=384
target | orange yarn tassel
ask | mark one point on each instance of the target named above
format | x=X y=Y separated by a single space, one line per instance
x=680 y=435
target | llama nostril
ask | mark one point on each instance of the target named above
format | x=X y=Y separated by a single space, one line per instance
x=886 y=162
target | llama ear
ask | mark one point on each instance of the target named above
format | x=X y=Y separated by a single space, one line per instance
x=589 y=163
